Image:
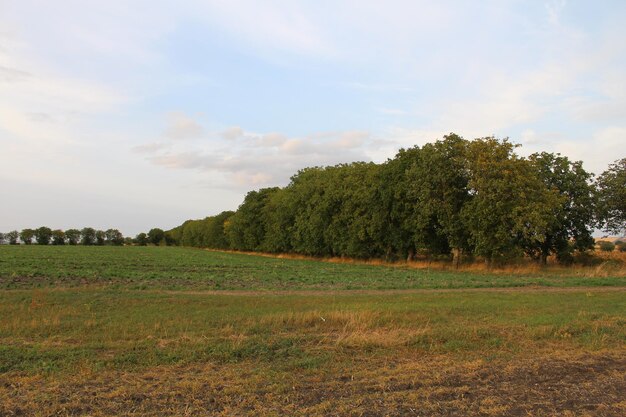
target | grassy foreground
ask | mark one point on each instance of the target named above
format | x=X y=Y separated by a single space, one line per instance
x=119 y=341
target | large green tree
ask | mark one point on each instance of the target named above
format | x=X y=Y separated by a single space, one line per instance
x=397 y=204
x=612 y=197
x=72 y=236
x=12 y=237
x=58 y=237
x=508 y=200
x=571 y=224
x=156 y=236
x=314 y=207
x=246 y=228
x=354 y=228
x=141 y=239
x=114 y=237
x=88 y=236
x=279 y=214
x=214 y=234
x=43 y=235
x=438 y=186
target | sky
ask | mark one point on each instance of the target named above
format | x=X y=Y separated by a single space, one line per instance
x=140 y=114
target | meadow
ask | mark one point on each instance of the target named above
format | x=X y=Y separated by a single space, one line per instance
x=173 y=331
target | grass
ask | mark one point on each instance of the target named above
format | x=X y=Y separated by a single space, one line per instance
x=55 y=330
x=185 y=268
x=143 y=331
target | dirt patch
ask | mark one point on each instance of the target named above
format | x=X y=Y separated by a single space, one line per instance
x=587 y=385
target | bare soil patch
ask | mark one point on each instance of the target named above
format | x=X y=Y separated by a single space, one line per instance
x=554 y=385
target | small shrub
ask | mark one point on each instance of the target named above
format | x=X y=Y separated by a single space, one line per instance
x=586 y=258
x=607 y=246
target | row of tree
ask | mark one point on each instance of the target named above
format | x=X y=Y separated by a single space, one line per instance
x=450 y=198
x=46 y=236
x=87 y=236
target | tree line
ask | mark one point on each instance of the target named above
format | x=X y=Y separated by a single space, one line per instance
x=450 y=199
x=87 y=236
x=46 y=236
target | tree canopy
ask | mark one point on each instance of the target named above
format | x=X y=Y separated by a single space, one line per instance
x=447 y=198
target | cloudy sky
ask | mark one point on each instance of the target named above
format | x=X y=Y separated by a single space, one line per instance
x=135 y=114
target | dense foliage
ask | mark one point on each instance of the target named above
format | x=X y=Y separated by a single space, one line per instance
x=450 y=198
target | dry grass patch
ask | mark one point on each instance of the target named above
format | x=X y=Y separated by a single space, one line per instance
x=546 y=385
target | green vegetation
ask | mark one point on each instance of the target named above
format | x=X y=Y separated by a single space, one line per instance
x=612 y=196
x=449 y=199
x=179 y=268
x=108 y=330
x=50 y=331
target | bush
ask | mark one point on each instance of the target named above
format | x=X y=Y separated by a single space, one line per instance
x=606 y=246
x=621 y=245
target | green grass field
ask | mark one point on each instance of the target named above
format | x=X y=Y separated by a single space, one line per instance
x=186 y=268
x=143 y=331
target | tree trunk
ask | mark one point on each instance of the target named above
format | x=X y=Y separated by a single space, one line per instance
x=488 y=262
x=410 y=256
x=456 y=257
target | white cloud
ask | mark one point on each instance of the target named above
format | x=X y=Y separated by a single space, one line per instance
x=272 y=139
x=150 y=148
x=252 y=159
x=181 y=126
x=232 y=133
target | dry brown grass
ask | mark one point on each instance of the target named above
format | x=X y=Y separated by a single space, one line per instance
x=558 y=384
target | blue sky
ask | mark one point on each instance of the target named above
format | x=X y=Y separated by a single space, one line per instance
x=135 y=114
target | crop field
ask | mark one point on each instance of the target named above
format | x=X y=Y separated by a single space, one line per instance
x=171 y=331
x=177 y=268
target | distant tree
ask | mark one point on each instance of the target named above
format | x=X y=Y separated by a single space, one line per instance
x=12 y=237
x=72 y=236
x=43 y=235
x=100 y=237
x=169 y=239
x=58 y=237
x=612 y=197
x=88 y=236
x=1 y=238
x=156 y=236
x=114 y=237
x=141 y=239
x=128 y=241
x=27 y=235
x=247 y=227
